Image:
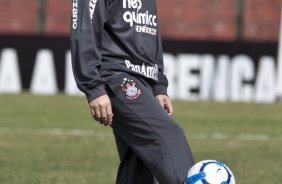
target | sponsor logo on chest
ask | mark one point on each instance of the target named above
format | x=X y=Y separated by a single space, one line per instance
x=148 y=71
x=144 y=22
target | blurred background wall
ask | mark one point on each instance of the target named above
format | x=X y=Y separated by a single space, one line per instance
x=229 y=20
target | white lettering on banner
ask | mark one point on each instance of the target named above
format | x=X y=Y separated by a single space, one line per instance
x=92 y=6
x=9 y=72
x=74 y=13
x=70 y=84
x=191 y=76
x=188 y=81
x=170 y=71
x=226 y=77
x=207 y=70
x=145 y=22
x=44 y=77
x=221 y=85
x=242 y=73
x=266 y=82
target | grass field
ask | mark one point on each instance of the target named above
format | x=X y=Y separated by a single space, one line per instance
x=53 y=140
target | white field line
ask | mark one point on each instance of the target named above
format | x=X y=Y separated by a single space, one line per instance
x=54 y=131
x=193 y=136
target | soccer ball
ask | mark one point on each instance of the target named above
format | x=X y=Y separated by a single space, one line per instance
x=210 y=172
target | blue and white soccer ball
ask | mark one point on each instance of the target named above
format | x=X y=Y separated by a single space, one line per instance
x=210 y=172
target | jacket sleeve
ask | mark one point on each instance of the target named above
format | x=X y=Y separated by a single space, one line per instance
x=87 y=23
x=160 y=88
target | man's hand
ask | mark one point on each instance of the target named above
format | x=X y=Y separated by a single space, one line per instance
x=165 y=103
x=101 y=110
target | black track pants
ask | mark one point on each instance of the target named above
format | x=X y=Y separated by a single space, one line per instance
x=149 y=142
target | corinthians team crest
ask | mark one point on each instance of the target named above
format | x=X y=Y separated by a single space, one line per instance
x=131 y=91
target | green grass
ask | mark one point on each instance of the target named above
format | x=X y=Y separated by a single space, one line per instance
x=32 y=153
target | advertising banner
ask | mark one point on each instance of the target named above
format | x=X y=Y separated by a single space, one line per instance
x=220 y=71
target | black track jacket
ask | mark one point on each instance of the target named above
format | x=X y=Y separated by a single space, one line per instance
x=113 y=36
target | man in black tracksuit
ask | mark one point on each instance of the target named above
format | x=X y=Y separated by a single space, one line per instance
x=118 y=64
